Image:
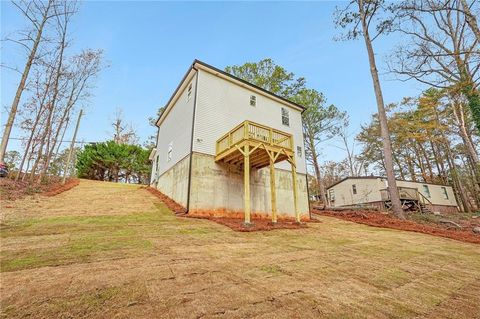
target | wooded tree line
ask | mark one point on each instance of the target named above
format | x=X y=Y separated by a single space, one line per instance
x=55 y=83
x=114 y=162
x=430 y=138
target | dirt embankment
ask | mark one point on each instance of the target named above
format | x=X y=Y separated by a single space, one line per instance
x=387 y=221
x=12 y=190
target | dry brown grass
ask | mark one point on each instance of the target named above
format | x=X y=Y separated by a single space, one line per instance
x=106 y=250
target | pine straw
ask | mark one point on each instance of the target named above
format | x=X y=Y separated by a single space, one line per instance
x=12 y=190
x=387 y=221
x=59 y=188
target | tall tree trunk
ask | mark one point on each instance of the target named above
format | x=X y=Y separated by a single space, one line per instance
x=400 y=169
x=27 y=147
x=318 y=174
x=58 y=75
x=382 y=116
x=471 y=19
x=21 y=85
x=438 y=165
x=419 y=159
x=427 y=161
x=411 y=170
x=458 y=112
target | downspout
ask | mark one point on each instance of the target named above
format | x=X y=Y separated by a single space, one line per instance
x=154 y=161
x=306 y=167
x=191 y=142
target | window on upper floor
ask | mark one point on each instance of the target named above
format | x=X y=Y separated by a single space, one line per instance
x=189 y=92
x=285 y=117
x=253 y=100
x=299 y=151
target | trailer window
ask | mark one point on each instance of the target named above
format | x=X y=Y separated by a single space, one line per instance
x=445 y=194
x=354 y=189
x=426 y=191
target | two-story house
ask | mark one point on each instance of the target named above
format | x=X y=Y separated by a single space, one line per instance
x=227 y=146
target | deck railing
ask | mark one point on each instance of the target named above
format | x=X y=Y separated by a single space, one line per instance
x=406 y=193
x=253 y=131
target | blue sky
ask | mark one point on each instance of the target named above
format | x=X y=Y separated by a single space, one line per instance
x=150 y=45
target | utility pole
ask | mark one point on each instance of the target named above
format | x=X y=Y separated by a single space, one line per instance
x=71 y=148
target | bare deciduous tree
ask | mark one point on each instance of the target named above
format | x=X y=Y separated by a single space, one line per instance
x=366 y=16
x=38 y=13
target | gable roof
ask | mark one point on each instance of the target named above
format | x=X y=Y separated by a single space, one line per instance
x=197 y=64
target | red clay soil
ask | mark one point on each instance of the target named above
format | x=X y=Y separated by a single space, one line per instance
x=258 y=224
x=59 y=188
x=387 y=221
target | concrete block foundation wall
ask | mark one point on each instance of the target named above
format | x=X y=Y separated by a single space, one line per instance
x=219 y=188
x=174 y=182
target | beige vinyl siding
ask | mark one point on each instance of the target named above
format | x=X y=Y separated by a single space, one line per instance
x=176 y=129
x=368 y=190
x=436 y=193
x=221 y=105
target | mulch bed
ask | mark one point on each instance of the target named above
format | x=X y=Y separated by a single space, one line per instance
x=387 y=221
x=12 y=190
x=59 y=188
x=170 y=203
x=260 y=223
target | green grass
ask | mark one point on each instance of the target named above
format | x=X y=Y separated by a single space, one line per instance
x=87 y=238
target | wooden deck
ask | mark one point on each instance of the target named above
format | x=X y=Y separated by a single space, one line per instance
x=253 y=145
x=410 y=198
x=263 y=141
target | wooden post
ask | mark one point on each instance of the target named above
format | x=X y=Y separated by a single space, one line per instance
x=295 y=190
x=67 y=163
x=272 y=189
x=246 y=183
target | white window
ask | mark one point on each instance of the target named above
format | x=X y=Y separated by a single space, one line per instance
x=426 y=191
x=285 y=117
x=445 y=194
x=299 y=151
x=169 y=153
x=253 y=100
x=189 y=92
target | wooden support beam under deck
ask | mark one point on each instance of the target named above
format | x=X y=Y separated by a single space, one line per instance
x=273 y=188
x=246 y=183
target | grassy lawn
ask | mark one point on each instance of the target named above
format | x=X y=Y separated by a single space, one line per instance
x=106 y=250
